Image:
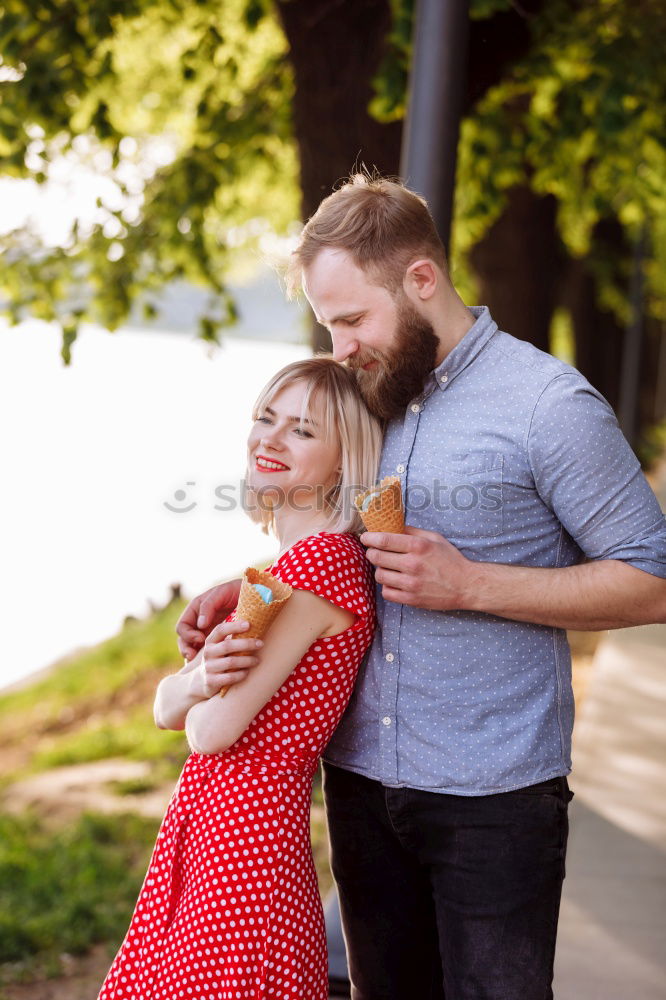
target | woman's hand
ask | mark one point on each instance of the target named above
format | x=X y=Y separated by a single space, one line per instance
x=227 y=657
x=215 y=724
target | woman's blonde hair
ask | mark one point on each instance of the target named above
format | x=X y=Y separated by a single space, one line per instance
x=333 y=394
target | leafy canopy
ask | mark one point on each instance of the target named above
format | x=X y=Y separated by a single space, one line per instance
x=185 y=108
x=581 y=118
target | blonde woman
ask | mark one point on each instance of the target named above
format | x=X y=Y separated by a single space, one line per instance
x=230 y=906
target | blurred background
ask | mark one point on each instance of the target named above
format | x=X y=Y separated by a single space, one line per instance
x=156 y=160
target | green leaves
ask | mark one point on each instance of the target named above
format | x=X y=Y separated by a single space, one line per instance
x=582 y=118
x=254 y=11
x=191 y=104
x=390 y=83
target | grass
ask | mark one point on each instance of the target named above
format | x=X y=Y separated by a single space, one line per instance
x=102 y=671
x=133 y=786
x=65 y=889
x=62 y=893
x=133 y=736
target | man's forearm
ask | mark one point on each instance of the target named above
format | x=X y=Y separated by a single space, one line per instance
x=594 y=596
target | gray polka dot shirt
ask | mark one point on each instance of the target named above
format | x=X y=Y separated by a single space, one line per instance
x=515 y=458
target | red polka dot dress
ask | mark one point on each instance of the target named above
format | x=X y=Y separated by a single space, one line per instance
x=230 y=908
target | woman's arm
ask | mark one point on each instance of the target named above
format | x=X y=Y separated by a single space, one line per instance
x=198 y=681
x=214 y=725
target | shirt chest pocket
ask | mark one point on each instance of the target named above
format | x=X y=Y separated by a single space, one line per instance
x=461 y=499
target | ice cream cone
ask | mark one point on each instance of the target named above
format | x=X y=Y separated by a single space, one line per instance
x=385 y=511
x=253 y=609
x=250 y=606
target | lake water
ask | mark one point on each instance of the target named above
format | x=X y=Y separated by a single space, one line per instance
x=91 y=457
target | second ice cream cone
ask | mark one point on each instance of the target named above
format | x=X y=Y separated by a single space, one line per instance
x=385 y=511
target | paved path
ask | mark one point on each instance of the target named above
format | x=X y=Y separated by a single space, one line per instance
x=612 y=941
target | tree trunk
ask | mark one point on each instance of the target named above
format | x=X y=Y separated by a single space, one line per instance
x=598 y=333
x=335 y=49
x=652 y=401
x=519 y=263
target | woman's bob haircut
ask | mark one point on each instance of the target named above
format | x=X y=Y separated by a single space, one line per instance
x=332 y=400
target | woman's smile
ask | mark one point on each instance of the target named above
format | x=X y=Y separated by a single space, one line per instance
x=264 y=464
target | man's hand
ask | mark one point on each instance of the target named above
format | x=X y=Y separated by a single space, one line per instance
x=419 y=568
x=202 y=614
x=422 y=569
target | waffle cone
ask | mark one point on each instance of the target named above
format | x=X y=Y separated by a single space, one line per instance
x=386 y=512
x=252 y=609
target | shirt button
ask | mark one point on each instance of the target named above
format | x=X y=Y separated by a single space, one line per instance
x=389 y=657
x=415 y=407
x=444 y=378
x=400 y=469
x=386 y=720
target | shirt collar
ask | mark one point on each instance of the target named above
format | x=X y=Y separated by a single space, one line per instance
x=465 y=351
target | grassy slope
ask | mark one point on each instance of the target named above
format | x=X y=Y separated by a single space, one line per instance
x=96 y=704
x=63 y=891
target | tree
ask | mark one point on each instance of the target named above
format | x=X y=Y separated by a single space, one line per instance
x=561 y=159
x=220 y=80
x=185 y=108
x=562 y=173
x=215 y=78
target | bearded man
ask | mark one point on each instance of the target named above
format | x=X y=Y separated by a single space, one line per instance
x=445 y=782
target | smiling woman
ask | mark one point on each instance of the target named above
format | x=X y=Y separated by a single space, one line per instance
x=230 y=905
x=74 y=479
x=312 y=444
x=290 y=460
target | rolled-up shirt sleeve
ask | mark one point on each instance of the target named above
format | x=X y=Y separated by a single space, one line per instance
x=589 y=477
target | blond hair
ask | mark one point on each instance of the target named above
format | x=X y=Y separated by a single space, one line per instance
x=383 y=226
x=333 y=392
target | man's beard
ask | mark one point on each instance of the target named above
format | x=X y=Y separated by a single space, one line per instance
x=401 y=372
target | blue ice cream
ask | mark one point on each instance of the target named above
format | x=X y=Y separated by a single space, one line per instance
x=368 y=500
x=265 y=593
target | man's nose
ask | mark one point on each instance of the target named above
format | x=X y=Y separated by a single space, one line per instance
x=343 y=346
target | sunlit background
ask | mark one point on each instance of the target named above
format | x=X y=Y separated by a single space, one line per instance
x=93 y=454
x=111 y=463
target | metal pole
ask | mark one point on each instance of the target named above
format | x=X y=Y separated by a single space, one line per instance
x=436 y=90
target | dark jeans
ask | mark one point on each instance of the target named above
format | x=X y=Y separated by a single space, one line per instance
x=447 y=897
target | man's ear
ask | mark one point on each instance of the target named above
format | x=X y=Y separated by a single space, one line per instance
x=421 y=279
